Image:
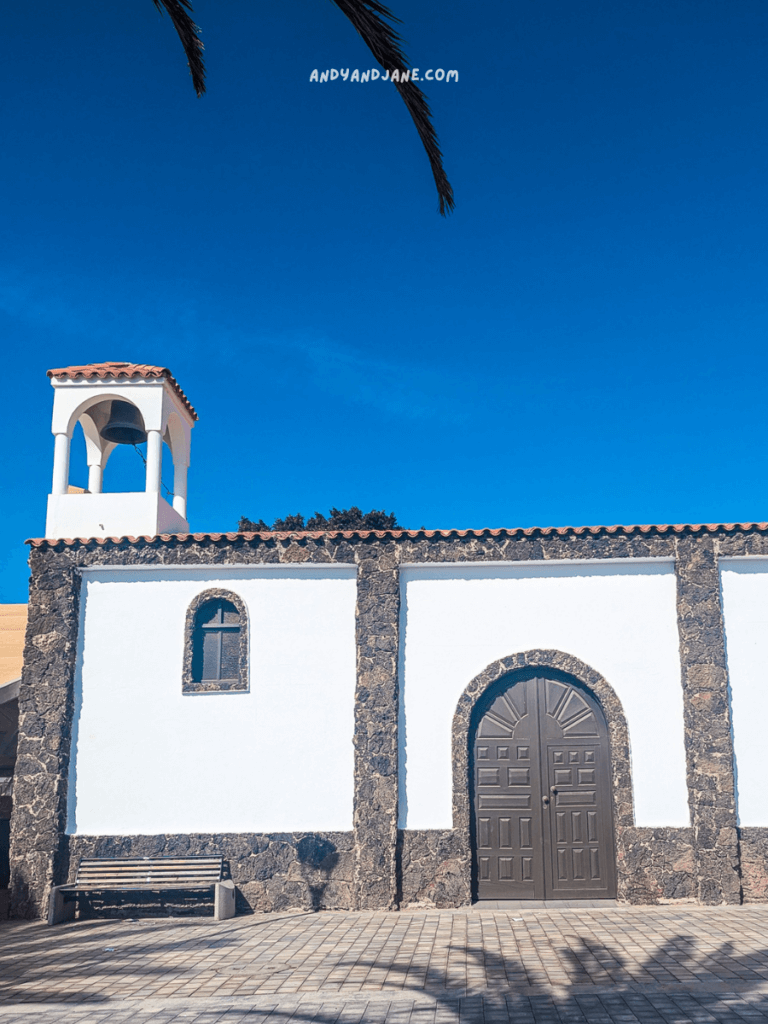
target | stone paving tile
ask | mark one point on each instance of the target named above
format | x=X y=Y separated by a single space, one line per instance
x=563 y=965
x=458 y=1012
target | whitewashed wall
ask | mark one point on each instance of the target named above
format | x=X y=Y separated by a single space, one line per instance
x=619 y=618
x=745 y=610
x=150 y=760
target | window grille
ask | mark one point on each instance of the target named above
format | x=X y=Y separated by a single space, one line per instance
x=216 y=644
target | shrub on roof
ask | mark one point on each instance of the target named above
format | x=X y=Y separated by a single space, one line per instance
x=337 y=519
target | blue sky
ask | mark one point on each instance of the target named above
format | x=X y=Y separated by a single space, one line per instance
x=582 y=342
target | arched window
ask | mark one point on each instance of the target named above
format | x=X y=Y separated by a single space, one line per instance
x=216 y=644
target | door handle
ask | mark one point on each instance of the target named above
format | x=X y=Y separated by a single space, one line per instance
x=553 y=790
x=545 y=800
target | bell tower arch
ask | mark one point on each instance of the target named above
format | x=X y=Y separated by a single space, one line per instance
x=119 y=403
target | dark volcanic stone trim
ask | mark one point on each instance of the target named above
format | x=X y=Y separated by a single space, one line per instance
x=656 y=865
x=572 y=669
x=707 y=718
x=753 y=847
x=376 y=715
x=434 y=867
x=533 y=548
x=188 y=684
x=272 y=872
x=38 y=841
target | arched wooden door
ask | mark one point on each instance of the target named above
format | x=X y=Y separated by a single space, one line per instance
x=543 y=823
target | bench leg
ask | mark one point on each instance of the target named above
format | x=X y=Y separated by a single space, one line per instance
x=223 y=900
x=60 y=909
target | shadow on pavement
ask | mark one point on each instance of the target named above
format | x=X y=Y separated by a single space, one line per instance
x=564 y=978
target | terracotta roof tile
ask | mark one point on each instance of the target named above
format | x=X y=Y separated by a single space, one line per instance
x=658 y=530
x=103 y=371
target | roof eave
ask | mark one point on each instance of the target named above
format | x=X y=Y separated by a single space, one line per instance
x=535 y=531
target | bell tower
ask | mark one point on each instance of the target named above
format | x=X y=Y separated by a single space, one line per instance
x=118 y=403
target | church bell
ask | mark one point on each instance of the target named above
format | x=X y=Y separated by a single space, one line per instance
x=125 y=425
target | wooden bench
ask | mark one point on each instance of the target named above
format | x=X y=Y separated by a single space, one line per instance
x=144 y=874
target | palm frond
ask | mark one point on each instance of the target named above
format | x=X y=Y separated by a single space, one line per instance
x=189 y=34
x=385 y=44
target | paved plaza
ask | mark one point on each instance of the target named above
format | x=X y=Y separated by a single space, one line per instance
x=530 y=965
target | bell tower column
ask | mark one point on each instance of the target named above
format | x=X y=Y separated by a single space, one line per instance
x=180 y=488
x=94 y=478
x=154 y=460
x=60 y=464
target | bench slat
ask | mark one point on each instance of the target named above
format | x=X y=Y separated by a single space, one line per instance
x=147 y=887
x=153 y=864
x=147 y=873
x=144 y=861
x=151 y=870
x=193 y=862
x=148 y=870
x=137 y=883
x=122 y=868
x=208 y=868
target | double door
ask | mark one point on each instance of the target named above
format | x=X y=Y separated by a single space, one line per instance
x=543 y=827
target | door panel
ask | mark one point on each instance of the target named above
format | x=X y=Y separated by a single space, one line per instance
x=543 y=818
x=508 y=830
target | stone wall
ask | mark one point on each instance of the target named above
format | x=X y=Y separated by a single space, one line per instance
x=384 y=867
x=39 y=846
x=376 y=704
x=289 y=871
x=655 y=865
x=707 y=716
x=434 y=868
x=753 y=847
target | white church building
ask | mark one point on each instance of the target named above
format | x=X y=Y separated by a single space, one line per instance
x=376 y=719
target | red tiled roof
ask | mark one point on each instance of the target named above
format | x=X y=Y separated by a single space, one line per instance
x=104 y=370
x=534 y=531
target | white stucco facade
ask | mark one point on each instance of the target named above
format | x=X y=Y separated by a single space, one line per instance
x=745 y=610
x=618 y=617
x=150 y=760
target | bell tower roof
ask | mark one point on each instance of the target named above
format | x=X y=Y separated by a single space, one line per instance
x=115 y=371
